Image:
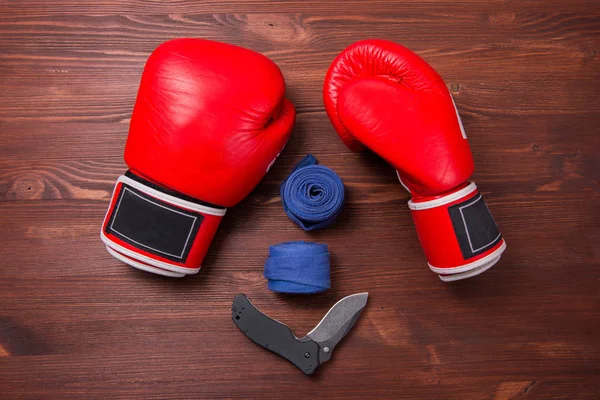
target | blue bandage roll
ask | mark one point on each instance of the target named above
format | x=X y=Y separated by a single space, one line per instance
x=298 y=267
x=313 y=195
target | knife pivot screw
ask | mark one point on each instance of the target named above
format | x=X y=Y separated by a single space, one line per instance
x=307 y=355
x=326 y=350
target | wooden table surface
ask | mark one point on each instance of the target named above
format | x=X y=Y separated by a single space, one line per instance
x=76 y=323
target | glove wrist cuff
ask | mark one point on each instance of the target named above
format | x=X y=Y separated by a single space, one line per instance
x=458 y=233
x=443 y=200
x=156 y=229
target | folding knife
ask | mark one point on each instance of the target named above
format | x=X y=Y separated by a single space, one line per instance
x=312 y=350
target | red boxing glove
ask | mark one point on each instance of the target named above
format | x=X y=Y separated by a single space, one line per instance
x=381 y=95
x=209 y=120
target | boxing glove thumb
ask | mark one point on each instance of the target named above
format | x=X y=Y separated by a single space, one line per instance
x=393 y=120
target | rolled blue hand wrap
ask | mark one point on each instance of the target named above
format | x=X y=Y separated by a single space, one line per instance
x=298 y=267
x=313 y=195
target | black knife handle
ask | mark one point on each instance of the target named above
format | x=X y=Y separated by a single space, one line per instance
x=275 y=336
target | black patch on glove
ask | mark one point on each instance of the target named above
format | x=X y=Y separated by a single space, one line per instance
x=153 y=225
x=474 y=226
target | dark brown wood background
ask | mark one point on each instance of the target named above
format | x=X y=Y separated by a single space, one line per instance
x=76 y=323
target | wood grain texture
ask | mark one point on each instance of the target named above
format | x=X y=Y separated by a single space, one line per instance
x=76 y=323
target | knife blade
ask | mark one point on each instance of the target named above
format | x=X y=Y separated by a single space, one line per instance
x=310 y=351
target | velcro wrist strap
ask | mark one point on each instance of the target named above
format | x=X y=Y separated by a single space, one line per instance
x=159 y=227
x=458 y=232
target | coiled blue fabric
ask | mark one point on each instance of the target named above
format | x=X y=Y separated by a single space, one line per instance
x=298 y=267
x=313 y=195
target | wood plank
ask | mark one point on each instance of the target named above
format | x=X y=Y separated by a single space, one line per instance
x=58 y=66
x=75 y=164
x=74 y=7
